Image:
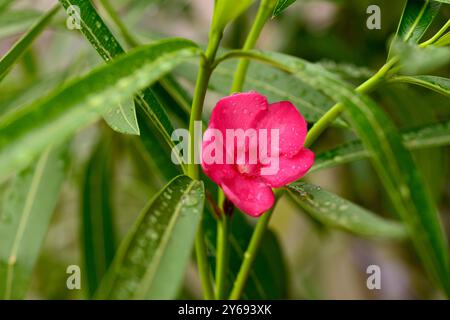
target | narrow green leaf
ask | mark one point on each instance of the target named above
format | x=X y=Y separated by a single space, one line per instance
x=434 y=135
x=26 y=132
x=280 y=6
x=122 y=118
x=24 y=219
x=443 y=1
x=336 y=212
x=97 y=227
x=393 y=163
x=151 y=261
x=416 y=18
x=7 y=61
x=438 y=84
x=4 y=4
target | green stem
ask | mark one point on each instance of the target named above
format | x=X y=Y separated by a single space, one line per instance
x=328 y=118
x=264 y=12
x=250 y=254
x=201 y=87
x=437 y=35
x=222 y=255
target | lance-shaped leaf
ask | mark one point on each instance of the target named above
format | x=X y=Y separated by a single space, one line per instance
x=97 y=227
x=416 y=18
x=438 y=84
x=336 y=212
x=393 y=163
x=151 y=261
x=24 y=219
x=8 y=60
x=280 y=6
x=434 y=135
x=26 y=132
x=123 y=117
x=443 y=41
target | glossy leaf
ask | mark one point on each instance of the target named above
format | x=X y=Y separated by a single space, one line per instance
x=122 y=118
x=26 y=132
x=280 y=6
x=434 y=135
x=336 y=212
x=97 y=226
x=393 y=163
x=151 y=261
x=24 y=219
x=438 y=84
x=416 y=18
x=8 y=60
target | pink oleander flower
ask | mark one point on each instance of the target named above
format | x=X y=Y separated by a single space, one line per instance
x=277 y=131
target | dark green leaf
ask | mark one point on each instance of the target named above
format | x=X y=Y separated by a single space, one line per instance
x=26 y=132
x=280 y=6
x=7 y=61
x=336 y=212
x=97 y=227
x=151 y=261
x=24 y=219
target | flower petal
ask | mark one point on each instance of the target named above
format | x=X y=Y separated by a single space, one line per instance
x=291 y=125
x=250 y=195
x=238 y=111
x=290 y=169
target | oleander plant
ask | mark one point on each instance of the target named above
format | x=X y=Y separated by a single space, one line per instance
x=226 y=149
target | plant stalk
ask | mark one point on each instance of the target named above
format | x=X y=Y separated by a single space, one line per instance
x=201 y=86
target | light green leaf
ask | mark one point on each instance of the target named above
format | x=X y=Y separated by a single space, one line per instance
x=429 y=136
x=280 y=6
x=438 y=84
x=8 y=60
x=393 y=163
x=151 y=261
x=123 y=117
x=226 y=11
x=28 y=131
x=97 y=226
x=336 y=212
x=24 y=219
x=443 y=1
